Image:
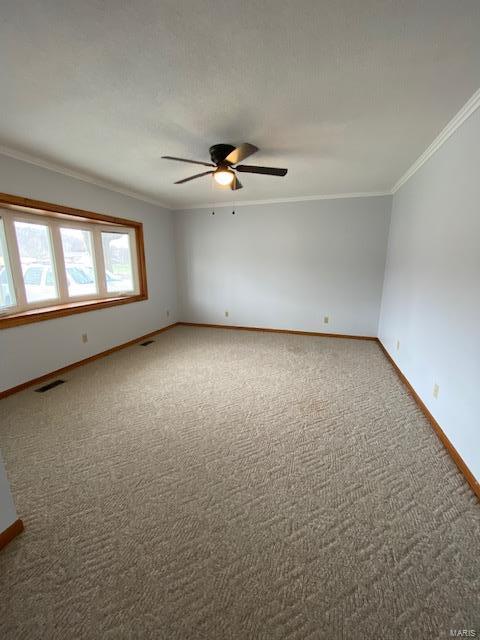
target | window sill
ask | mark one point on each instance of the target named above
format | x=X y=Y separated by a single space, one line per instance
x=60 y=310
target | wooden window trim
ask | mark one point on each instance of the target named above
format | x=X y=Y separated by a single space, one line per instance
x=60 y=310
x=39 y=207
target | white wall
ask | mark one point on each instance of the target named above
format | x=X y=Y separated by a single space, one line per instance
x=285 y=265
x=8 y=514
x=31 y=350
x=431 y=298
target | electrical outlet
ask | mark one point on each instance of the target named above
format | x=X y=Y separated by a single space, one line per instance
x=84 y=338
x=168 y=313
x=326 y=319
x=436 y=391
x=226 y=314
x=398 y=345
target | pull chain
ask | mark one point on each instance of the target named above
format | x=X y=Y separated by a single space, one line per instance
x=212 y=183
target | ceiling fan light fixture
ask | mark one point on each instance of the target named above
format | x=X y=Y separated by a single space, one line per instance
x=223 y=177
x=223 y=157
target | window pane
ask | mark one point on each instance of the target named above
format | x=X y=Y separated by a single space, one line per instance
x=79 y=262
x=118 y=262
x=36 y=259
x=33 y=275
x=7 y=293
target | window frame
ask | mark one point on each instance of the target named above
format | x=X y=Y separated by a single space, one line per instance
x=55 y=217
x=7 y=268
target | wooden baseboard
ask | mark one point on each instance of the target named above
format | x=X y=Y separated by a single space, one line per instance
x=469 y=477
x=79 y=363
x=10 y=533
x=266 y=329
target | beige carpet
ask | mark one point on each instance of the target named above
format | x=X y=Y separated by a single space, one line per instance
x=235 y=485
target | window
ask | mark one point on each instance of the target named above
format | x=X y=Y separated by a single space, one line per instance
x=34 y=248
x=55 y=260
x=79 y=261
x=118 y=261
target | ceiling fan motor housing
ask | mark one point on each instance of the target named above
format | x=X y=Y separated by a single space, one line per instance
x=218 y=152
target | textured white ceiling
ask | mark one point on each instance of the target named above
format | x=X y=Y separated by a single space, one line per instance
x=345 y=93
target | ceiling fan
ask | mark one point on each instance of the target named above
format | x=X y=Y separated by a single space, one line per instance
x=223 y=157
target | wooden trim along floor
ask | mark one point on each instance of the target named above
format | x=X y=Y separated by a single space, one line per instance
x=291 y=331
x=79 y=363
x=469 y=477
x=10 y=533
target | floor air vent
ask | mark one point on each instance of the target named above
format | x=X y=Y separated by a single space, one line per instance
x=50 y=385
x=146 y=343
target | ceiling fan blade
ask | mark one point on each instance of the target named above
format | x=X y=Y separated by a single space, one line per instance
x=205 y=164
x=236 y=184
x=197 y=175
x=269 y=171
x=240 y=153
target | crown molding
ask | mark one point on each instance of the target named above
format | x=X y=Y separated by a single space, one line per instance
x=455 y=123
x=78 y=175
x=245 y=203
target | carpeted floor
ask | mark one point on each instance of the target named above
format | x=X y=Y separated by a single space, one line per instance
x=235 y=485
